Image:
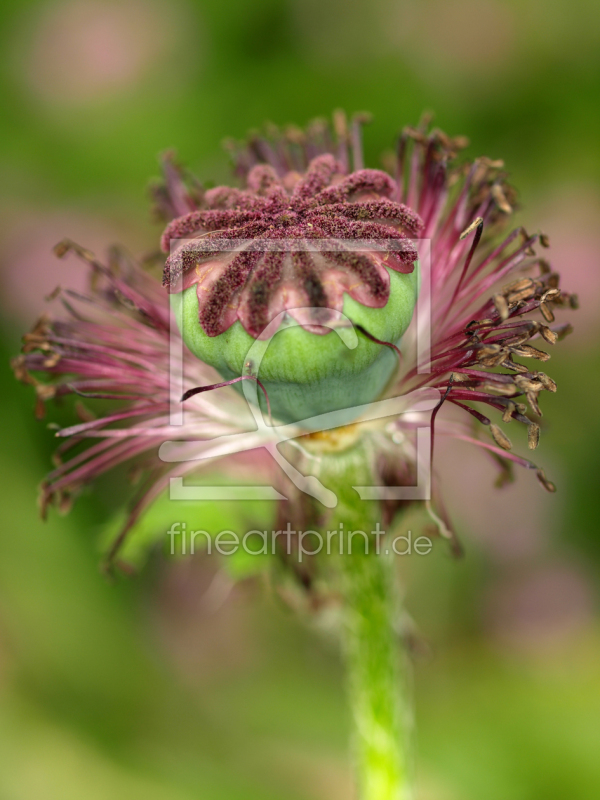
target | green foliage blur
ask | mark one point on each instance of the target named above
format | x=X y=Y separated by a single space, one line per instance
x=177 y=683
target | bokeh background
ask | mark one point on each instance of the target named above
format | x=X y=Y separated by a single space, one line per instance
x=177 y=683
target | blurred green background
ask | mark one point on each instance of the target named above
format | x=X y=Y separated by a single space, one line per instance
x=148 y=686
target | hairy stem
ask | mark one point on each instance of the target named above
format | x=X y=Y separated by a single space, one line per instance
x=375 y=663
x=375 y=677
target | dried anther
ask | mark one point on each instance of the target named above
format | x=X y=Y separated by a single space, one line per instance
x=500 y=437
x=533 y=435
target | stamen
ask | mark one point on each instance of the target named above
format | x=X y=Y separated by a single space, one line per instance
x=445 y=531
x=103 y=395
x=547 y=484
x=340 y=126
x=533 y=435
x=199 y=389
x=500 y=437
x=500 y=199
x=501 y=306
x=477 y=226
x=478 y=415
x=356 y=136
x=400 y=166
x=379 y=341
x=434 y=414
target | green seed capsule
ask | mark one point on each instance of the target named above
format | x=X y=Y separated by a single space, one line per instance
x=307 y=374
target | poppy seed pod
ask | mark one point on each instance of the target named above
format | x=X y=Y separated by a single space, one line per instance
x=305 y=373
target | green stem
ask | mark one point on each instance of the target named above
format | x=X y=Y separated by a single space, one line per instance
x=375 y=678
x=372 y=647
